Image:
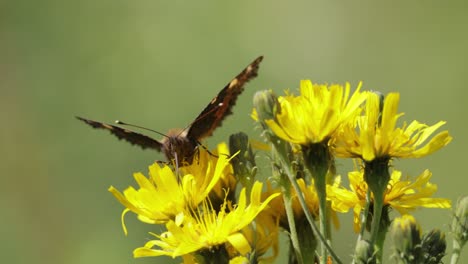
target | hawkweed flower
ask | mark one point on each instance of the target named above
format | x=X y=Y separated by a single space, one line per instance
x=379 y=137
x=377 y=140
x=403 y=195
x=316 y=114
x=163 y=195
x=225 y=188
x=205 y=230
x=310 y=120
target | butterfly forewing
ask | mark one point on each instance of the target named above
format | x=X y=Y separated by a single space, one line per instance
x=221 y=106
x=132 y=137
x=183 y=144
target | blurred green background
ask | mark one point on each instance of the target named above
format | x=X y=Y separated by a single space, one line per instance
x=158 y=63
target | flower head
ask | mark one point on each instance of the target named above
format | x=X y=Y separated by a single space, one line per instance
x=316 y=114
x=379 y=137
x=205 y=228
x=164 y=194
x=226 y=183
x=406 y=234
x=402 y=195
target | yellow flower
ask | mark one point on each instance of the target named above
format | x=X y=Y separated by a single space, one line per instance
x=204 y=228
x=316 y=114
x=227 y=182
x=239 y=260
x=276 y=210
x=402 y=195
x=164 y=195
x=377 y=134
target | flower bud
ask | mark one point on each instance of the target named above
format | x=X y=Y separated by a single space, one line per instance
x=460 y=221
x=243 y=163
x=364 y=253
x=266 y=104
x=433 y=247
x=406 y=234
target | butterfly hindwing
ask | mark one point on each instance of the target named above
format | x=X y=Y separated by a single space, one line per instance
x=132 y=137
x=221 y=106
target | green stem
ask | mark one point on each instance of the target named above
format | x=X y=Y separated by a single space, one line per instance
x=280 y=149
x=318 y=160
x=375 y=229
x=377 y=176
x=320 y=186
x=287 y=168
x=364 y=216
x=382 y=233
x=457 y=248
x=292 y=224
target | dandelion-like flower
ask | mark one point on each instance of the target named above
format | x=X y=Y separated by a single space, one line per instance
x=316 y=114
x=204 y=228
x=204 y=162
x=378 y=136
x=402 y=195
x=164 y=194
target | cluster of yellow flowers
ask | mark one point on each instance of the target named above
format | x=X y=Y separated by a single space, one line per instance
x=208 y=221
x=192 y=202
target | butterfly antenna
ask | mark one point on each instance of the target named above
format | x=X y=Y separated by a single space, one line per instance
x=140 y=127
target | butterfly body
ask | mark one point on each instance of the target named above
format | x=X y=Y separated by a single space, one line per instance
x=178 y=145
x=182 y=143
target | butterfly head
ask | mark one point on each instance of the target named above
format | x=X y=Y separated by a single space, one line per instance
x=176 y=145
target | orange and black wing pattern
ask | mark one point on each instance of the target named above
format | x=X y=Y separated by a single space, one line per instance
x=221 y=106
x=132 y=137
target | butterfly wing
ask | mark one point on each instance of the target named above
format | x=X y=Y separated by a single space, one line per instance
x=132 y=137
x=221 y=106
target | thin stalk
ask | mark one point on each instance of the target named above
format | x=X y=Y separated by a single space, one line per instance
x=292 y=224
x=320 y=186
x=317 y=233
x=377 y=176
x=380 y=240
x=375 y=229
x=457 y=247
x=364 y=215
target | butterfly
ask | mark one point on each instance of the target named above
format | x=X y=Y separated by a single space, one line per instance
x=181 y=144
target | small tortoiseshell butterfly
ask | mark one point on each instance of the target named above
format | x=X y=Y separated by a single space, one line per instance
x=182 y=143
